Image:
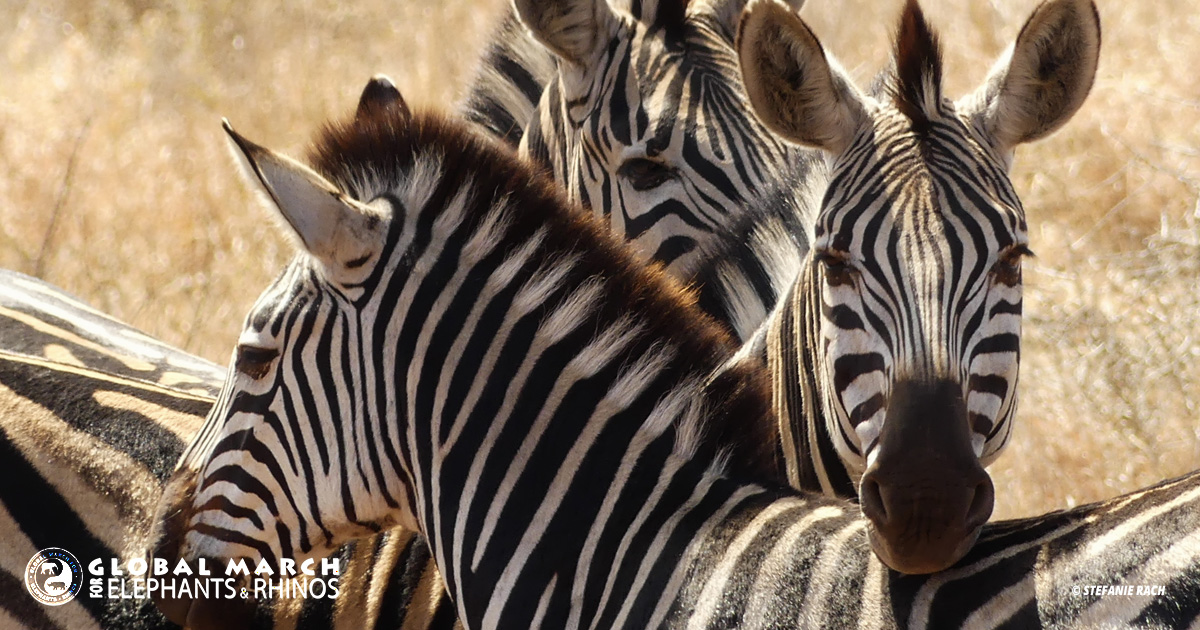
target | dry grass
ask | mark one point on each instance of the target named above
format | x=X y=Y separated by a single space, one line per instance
x=117 y=186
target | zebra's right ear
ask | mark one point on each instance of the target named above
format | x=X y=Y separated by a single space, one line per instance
x=793 y=88
x=337 y=230
x=576 y=30
x=380 y=95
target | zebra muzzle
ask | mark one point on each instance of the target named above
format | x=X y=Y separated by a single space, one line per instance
x=926 y=494
x=172 y=518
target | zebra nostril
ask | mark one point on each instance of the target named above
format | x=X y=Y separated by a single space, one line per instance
x=871 y=496
x=980 y=509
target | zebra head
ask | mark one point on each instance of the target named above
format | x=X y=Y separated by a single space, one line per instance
x=450 y=335
x=256 y=483
x=647 y=120
x=913 y=288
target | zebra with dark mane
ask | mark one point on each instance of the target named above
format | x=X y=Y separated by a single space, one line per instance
x=569 y=477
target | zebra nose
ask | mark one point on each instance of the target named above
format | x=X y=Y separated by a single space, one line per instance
x=925 y=493
x=925 y=528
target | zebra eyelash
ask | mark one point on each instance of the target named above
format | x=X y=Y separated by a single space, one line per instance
x=645 y=174
x=254 y=361
x=1008 y=265
x=837 y=266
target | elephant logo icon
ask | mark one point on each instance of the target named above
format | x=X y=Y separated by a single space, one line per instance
x=53 y=576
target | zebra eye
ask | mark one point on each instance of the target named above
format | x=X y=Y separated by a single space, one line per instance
x=254 y=361
x=838 y=269
x=1007 y=269
x=644 y=173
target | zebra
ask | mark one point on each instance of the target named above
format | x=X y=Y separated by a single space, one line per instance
x=894 y=355
x=93 y=416
x=646 y=121
x=564 y=473
x=614 y=102
x=508 y=81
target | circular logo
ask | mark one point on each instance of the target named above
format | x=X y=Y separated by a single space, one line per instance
x=53 y=576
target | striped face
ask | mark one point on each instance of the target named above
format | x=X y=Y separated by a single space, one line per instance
x=912 y=300
x=653 y=130
x=290 y=402
x=918 y=250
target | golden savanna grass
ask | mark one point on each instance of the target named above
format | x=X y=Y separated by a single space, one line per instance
x=117 y=185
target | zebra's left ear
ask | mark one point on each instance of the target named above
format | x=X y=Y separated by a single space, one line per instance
x=337 y=230
x=1040 y=82
x=729 y=12
x=793 y=87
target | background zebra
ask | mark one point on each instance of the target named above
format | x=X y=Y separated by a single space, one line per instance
x=646 y=121
x=438 y=242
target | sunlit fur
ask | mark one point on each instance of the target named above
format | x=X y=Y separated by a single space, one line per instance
x=633 y=522
x=665 y=97
x=93 y=416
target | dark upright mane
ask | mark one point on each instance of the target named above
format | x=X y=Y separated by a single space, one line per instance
x=371 y=154
x=918 y=66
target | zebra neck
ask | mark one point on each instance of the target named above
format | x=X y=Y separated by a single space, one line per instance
x=796 y=370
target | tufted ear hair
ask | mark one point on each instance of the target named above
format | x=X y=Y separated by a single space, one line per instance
x=379 y=95
x=1043 y=79
x=729 y=12
x=793 y=88
x=575 y=30
x=338 y=231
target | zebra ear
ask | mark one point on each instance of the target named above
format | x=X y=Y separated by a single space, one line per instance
x=575 y=30
x=338 y=231
x=1043 y=79
x=380 y=95
x=792 y=87
x=729 y=12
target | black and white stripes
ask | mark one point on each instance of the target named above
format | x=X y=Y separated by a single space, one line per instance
x=894 y=360
x=567 y=478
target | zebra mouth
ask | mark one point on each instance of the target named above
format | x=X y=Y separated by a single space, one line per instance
x=920 y=557
x=172 y=516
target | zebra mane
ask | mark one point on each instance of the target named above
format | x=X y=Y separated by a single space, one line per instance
x=372 y=154
x=918 y=57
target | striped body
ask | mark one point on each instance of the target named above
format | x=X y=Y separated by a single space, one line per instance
x=565 y=474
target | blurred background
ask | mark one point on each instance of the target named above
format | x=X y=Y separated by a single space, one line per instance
x=116 y=184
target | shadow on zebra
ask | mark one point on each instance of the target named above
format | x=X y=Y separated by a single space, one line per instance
x=483 y=364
